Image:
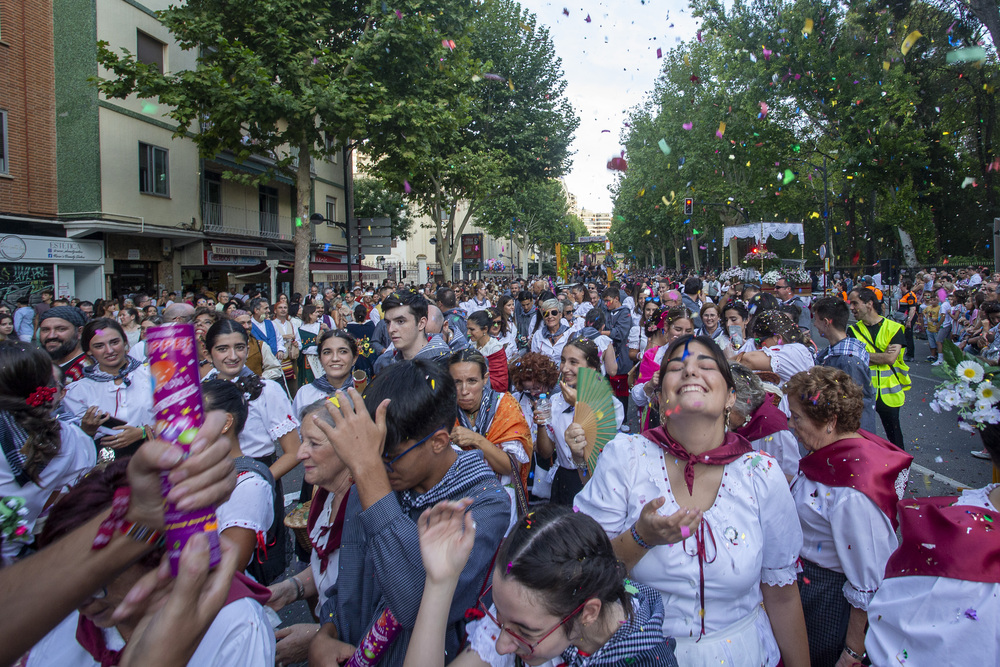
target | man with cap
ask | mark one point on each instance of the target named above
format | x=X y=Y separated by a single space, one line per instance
x=59 y=332
x=868 y=282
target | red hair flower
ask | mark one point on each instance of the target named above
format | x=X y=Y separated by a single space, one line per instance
x=41 y=396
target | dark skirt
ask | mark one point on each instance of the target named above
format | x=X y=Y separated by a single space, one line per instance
x=565 y=486
x=827 y=612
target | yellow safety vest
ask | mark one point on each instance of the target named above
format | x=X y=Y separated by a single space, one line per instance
x=890 y=381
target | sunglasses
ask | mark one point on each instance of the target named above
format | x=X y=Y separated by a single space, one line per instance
x=547 y=313
x=389 y=462
x=654 y=299
x=523 y=644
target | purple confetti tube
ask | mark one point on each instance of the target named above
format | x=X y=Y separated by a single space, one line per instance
x=173 y=362
x=381 y=635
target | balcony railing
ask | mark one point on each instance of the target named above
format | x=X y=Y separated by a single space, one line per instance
x=233 y=221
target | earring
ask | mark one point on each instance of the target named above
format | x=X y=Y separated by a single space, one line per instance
x=725 y=422
x=829 y=430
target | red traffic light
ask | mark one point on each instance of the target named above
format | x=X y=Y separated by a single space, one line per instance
x=688 y=206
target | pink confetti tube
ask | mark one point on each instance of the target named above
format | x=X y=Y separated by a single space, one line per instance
x=173 y=357
x=383 y=632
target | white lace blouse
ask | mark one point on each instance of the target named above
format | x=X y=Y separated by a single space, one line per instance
x=757 y=533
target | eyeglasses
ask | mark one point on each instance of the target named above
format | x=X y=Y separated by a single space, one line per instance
x=521 y=641
x=547 y=313
x=654 y=299
x=496 y=323
x=388 y=462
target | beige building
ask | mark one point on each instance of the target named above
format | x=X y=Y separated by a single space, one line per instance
x=598 y=224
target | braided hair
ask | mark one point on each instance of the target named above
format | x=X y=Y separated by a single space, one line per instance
x=566 y=558
x=23 y=369
x=248 y=383
x=776 y=323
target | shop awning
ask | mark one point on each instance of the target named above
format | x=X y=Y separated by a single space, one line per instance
x=81 y=228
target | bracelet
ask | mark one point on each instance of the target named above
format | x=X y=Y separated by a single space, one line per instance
x=116 y=522
x=582 y=465
x=300 y=590
x=143 y=534
x=856 y=656
x=144 y=435
x=638 y=540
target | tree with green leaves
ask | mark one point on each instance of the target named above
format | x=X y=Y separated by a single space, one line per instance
x=515 y=131
x=293 y=79
x=373 y=198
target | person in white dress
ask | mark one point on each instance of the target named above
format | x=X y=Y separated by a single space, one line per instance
x=91 y=637
x=324 y=469
x=566 y=478
x=759 y=420
x=270 y=424
x=940 y=598
x=696 y=514
x=552 y=332
x=42 y=455
x=845 y=493
x=117 y=387
x=248 y=514
x=637 y=336
x=779 y=346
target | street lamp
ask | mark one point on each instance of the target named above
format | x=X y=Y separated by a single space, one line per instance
x=319 y=219
x=826 y=207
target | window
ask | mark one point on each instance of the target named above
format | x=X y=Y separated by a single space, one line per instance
x=153 y=178
x=331 y=146
x=149 y=50
x=212 y=200
x=4 y=167
x=268 y=212
x=331 y=210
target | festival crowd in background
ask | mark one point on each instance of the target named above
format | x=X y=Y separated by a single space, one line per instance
x=744 y=511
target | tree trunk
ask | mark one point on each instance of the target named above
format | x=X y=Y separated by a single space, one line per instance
x=526 y=255
x=908 y=252
x=677 y=257
x=695 y=259
x=988 y=12
x=663 y=255
x=303 y=227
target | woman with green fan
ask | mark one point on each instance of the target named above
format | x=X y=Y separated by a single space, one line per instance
x=579 y=354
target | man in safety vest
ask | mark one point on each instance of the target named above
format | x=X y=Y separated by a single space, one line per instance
x=883 y=339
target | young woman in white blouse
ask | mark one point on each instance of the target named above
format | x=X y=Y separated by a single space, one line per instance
x=845 y=492
x=779 y=346
x=504 y=329
x=324 y=469
x=270 y=423
x=337 y=352
x=699 y=516
x=116 y=387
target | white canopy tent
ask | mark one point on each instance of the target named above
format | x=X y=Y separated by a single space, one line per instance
x=762 y=230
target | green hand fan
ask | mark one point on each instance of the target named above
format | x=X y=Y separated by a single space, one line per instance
x=595 y=412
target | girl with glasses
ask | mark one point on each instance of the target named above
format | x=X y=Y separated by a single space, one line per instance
x=551 y=332
x=559 y=596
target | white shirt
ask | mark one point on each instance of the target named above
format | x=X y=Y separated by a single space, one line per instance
x=473 y=306
x=844 y=531
x=757 y=534
x=261 y=329
x=138 y=351
x=305 y=396
x=562 y=417
x=250 y=506
x=76 y=456
x=324 y=580
x=925 y=617
x=133 y=404
x=540 y=343
x=789 y=359
x=269 y=417
x=782 y=446
x=285 y=328
x=239 y=635
x=975 y=279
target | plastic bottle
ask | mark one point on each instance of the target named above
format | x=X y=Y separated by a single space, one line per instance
x=543 y=408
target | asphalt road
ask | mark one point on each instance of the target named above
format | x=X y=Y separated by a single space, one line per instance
x=942 y=463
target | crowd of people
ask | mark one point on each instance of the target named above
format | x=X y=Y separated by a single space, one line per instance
x=745 y=513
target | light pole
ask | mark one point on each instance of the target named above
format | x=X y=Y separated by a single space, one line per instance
x=318 y=219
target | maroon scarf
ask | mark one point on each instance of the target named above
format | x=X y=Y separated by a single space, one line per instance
x=733 y=447
x=941 y=539
x=91 y=637
x=868 y=464
x=336 y=530
x=766 y=420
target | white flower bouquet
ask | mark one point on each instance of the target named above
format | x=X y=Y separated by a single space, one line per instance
x=968 y=388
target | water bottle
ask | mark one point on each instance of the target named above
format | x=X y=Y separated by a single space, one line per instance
x=543 y=409
x=736 y=336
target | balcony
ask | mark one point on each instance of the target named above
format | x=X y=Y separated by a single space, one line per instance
x=233 y=221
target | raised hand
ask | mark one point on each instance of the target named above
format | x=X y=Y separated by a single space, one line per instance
x=656 y=529
x=447 y=533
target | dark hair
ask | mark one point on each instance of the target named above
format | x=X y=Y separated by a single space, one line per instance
x=501 y=304
x=7 y=316
x=88 y=498
x=704 y=341
x=207 y=310
x=343 y=335
x=360 y=312
x=991 y=307
x=692 y=286
x=472 y=356
x=833 y=309
x=414 y=301
x=611 y=293
x=424 y=399
x=739 y=308
x=565 y=557
x=776 y=323
x=249 y=383
x=533 y=367
x=307 y=310
x=218 y=394
x=255 y=304
x=595 y=318
x=24 y=368
x=762 y=302
x=589 y=350
x=134 y=312
x=825 y=392
x=482 y=319
x=446 y=297
x=869 y=296
x=91 y=328
x=525 y=295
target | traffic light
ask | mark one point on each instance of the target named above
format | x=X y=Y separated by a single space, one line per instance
x=688 y=206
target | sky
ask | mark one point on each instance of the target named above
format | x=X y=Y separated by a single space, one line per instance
x=610 y=66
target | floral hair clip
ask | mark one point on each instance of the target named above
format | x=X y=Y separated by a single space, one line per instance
x=41 y=396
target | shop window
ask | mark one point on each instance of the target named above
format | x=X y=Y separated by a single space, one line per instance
x=149 y=50
x=153 y=170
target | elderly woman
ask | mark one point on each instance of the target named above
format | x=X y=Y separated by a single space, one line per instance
x=695 y=513
x=845 y=493
x=551 y=332
x=756 y=417
x=531 y=376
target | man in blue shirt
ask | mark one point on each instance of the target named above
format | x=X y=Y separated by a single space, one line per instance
x=24 y=320
x=845 y=353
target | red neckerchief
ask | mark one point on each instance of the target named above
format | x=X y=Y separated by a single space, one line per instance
x=766 y=420
x=733 y=447
x=91 y=637
x=868 y=464
x=336 y=530
x=941 y=539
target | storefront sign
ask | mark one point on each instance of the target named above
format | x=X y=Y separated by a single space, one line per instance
x=240 y=250
x=229 y=260
x=15 y=248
